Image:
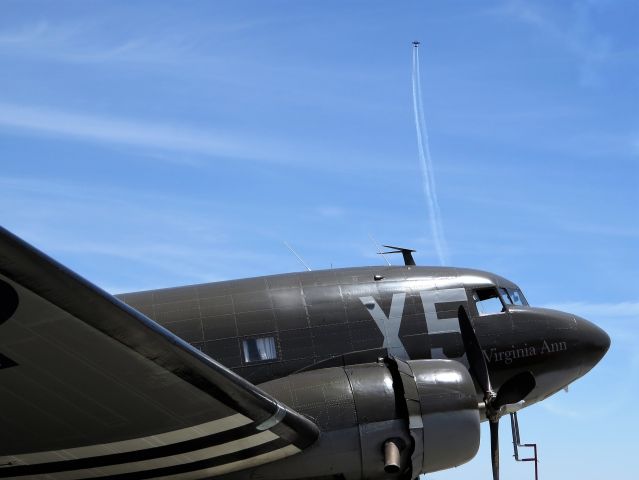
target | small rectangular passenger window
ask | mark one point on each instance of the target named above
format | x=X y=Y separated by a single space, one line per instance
x=259 y=349
x=487 y=301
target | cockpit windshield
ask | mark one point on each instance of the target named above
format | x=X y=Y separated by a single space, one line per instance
x=513 y=296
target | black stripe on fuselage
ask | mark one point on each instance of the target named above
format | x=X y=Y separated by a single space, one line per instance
x=134 y=456
x=201 y=464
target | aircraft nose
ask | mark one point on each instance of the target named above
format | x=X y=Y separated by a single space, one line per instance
x=594 y=342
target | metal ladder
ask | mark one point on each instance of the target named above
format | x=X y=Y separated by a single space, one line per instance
x=514 y=426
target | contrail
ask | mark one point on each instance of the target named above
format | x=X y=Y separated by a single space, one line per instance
x=427 y=163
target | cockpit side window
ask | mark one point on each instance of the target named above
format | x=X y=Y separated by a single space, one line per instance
x=505 y=296
x=488 y=301
x=517 y=297
x=512 y=296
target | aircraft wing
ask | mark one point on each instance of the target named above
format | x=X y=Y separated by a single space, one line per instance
x=91 y=388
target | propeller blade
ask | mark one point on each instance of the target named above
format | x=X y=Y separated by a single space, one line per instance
x=474 y=353
x=494 y=447
x=514 y=389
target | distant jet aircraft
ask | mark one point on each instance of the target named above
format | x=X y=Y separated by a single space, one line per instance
x=355 y=373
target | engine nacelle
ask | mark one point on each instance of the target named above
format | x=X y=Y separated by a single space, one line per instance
x=448 y=408
x=390 y=419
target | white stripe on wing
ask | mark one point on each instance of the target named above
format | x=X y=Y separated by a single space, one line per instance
x=233 y=466
x=196 y=431
x=162 y=462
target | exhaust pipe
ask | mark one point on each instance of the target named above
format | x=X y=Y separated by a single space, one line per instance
x=391 y=456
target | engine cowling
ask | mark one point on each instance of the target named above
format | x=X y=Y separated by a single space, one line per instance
x=448 y=408
x=390 y=419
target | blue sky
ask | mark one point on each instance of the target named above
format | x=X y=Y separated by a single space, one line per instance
x=151 y=144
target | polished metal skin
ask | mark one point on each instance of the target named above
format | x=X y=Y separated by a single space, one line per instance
x=91 y=388
x=344 y=316
x=360 y=373
x=324 y=322
x=392 y=456
x=426 y=408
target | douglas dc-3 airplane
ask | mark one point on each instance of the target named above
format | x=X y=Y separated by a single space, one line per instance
x=355 y=373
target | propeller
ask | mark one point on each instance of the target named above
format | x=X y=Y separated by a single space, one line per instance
x=513 y=390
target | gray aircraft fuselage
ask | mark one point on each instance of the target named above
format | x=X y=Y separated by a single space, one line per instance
x=270 y=327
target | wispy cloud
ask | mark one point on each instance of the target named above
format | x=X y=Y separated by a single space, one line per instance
x=565 y=405
x=153 y=136
x=624 y=231
x=330 y=211
x=163 y=141
x=575 y=36
x=138 y=239
x=552 y=405
x=627 y=309
x=80 y=42
x=25 y=34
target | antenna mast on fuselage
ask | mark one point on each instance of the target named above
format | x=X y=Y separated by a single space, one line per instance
x=407 y=253
x=297 y=256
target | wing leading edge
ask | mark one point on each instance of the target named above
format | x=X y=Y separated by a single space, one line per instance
x=91 y=388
